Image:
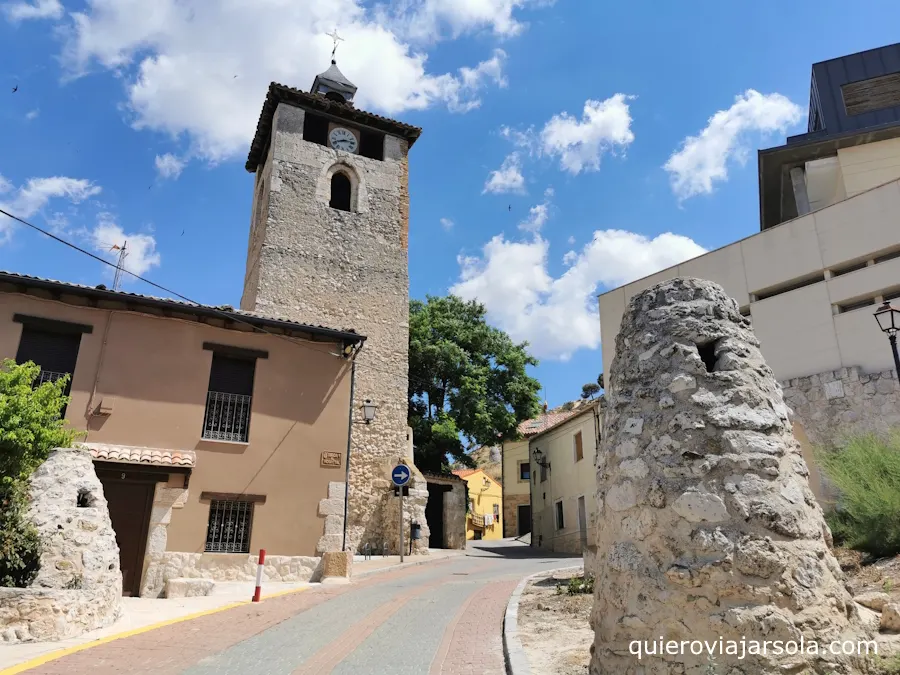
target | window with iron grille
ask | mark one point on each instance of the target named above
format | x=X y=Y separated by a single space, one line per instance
x=229 y=526
x=229 y=399
x=55 y=353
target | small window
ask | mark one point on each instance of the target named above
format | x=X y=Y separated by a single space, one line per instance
x=560 y=520
x=229 y=399
x=55 y=353
x=340 y=192
x=229 y=526
x=579 y=447
x=543 y=472
x=371 y=145
x=496 y=512
x=315 y=129
x=524 y=471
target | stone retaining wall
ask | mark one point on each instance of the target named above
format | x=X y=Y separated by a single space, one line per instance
x=49 y=614
x=236 y=567
x=845 y=401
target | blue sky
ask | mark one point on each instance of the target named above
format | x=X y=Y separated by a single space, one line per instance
x=622 y=135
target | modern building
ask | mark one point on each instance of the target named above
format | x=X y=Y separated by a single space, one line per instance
x=485 y=509
x=215 y=432
x=827 y=254
x=562 y=464
x=516 y=473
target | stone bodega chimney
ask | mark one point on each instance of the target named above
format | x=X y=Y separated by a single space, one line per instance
x=708 y=528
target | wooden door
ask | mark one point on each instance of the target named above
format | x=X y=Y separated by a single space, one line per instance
x=129 y=509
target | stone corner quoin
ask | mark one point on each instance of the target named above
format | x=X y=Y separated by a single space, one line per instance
x=709 y=526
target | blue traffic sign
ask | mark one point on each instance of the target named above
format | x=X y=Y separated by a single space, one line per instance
x=401 y=474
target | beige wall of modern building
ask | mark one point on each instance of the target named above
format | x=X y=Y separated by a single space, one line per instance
x=150 y=377
x=564 y=504
x=809 y=285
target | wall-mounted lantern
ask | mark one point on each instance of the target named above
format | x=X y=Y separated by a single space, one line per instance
x=369 y=409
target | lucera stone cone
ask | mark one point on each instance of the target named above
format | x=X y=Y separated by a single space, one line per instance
x=707 y=526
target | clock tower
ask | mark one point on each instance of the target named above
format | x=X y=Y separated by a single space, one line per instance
x=328 y=245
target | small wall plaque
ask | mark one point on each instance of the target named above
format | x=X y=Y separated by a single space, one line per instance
x=331 y=459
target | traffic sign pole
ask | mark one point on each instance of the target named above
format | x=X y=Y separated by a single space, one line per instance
x=401 y=475
x=401 y=524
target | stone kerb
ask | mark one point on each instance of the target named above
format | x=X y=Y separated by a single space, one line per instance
x=79 y=585
x=708 y=528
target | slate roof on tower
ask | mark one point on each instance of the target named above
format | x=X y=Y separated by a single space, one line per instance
x=279 y=93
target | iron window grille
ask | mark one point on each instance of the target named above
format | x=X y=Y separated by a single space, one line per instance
x=229 y=526
x=47 y=376
x=227 y=417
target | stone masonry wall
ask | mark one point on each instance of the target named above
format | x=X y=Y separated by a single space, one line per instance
x=846 y=401
x=707 y=527
x=511 y=505
x=346 y=270
x=79 y=585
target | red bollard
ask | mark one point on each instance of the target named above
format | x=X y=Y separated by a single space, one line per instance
x=259 y=573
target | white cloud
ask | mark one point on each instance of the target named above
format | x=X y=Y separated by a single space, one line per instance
x=31 y=197
x=571 y=241
x=558 y=316
x=447 y=224
x=508 y=178
x=538 y=214
x=605 y=126
x=169 y=166
x=426 y=20
x=140 y=249
x=32 y=114
x=39 y=9
x=183 y=78
x=702 y=160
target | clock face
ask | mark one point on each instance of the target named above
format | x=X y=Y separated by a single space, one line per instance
x=342 y=139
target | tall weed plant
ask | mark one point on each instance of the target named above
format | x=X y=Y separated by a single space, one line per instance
x=866 y=472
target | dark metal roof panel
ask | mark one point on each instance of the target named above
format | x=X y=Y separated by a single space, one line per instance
x=829 y=76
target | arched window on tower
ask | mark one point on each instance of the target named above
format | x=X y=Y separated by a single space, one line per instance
x=340 y=192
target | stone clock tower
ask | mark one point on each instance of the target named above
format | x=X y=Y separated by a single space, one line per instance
x=328 y=245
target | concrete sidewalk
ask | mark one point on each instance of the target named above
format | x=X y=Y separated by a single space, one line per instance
x=142 y=614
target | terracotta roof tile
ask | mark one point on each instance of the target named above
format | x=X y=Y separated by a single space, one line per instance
x=138 y=299
x=280 y=93
x=130 y=454
x=465 y=473
x=541 y=424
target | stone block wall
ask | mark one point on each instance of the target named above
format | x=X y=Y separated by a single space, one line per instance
x=166 y=497
x=511 y=505
x=79 y=585
x=846 y=401
x=345 y=270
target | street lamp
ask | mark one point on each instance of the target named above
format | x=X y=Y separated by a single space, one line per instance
x=888 y=319
x=539 y=458
x=369 y=409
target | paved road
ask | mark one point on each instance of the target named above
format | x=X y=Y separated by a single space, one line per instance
x=442 y=617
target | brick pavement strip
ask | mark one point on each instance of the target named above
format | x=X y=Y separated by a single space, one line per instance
x=473 y=642
x=171 y=649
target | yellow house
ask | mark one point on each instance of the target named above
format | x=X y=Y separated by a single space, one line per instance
x=483 y=520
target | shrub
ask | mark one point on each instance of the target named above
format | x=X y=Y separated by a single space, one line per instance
x=30 y=428
x=867 y=474
x=580 y=585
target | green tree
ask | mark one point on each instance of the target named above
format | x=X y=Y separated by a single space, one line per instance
x=467 y=381
x=30 y=428
x=590 y=390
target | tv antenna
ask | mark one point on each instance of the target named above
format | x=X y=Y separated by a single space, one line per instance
x=120 y=265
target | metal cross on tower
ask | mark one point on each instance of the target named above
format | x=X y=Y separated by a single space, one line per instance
x=336 y=38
